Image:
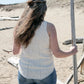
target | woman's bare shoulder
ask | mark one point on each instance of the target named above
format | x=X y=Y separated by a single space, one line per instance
x=50 y=27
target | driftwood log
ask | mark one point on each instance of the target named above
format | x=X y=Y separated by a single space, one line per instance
x=9 y=18
x=78 y=41
x=13 y=61
x=6 y=28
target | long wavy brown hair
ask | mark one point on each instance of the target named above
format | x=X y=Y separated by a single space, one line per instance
x=31 y=18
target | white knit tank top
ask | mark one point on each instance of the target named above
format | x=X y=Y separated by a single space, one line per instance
x=36 y=61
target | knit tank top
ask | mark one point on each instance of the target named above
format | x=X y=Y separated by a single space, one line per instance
x=36 y=61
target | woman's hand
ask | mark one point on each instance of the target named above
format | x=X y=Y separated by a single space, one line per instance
x=73 y=50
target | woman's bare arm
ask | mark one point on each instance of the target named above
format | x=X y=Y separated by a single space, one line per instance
x=16 y=48
x=54 y=46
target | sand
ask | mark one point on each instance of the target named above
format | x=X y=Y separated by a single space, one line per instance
x=60 y=17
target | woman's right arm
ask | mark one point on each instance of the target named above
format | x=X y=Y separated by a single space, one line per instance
x=54 y=46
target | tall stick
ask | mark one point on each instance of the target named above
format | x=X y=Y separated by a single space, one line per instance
x=74 y=42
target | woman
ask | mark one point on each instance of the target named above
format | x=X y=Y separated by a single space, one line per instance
x=38 y=40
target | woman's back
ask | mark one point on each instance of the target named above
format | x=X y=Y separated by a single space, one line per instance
x=36 y=60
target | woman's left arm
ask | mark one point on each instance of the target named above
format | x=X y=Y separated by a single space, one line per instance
x=16 y=48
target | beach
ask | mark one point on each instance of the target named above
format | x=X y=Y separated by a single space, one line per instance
x=59 y=15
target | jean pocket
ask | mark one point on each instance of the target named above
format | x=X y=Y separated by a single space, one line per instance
x=51 y=76
x=51 y=79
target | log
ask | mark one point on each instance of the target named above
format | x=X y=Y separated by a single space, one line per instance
x=6 y=28
x=78 y=41
x=9 y=18
x=13 y=61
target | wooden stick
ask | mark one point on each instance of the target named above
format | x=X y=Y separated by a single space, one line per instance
x=82 y=64
x=8 y=51
x=71 y=76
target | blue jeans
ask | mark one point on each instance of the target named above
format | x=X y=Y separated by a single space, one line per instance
x=51 y=79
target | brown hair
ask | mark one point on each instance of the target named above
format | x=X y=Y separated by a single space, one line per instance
x=30 y=20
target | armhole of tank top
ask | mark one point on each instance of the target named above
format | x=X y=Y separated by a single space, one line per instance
x=47 y=28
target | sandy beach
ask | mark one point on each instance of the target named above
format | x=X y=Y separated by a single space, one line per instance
x=59 y=15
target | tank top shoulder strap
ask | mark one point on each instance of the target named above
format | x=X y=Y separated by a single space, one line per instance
x=44 y=25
